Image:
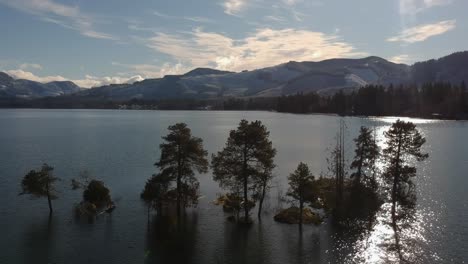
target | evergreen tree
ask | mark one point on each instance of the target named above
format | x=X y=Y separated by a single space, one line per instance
x=97 y=193
x=40 y=184
x=299 y=181
x=404 y=142
x=247 y=153
x=182 y=155
x=366 y=154
x=262 y=183
x=155 y=191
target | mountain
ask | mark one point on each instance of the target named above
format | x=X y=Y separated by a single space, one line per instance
x=323 y=77
x=19 y=88
x=452 y=68
x=204 y=71
x=284 y=79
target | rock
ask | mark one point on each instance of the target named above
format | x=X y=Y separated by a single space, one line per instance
x=291 y=216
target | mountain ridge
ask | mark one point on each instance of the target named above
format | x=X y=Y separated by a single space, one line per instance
x=323 y=77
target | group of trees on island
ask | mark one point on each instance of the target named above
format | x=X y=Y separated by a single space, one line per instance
x=42 y=183
x=244 y=169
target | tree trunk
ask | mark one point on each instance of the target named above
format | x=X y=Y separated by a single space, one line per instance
x=149 y=206
x=361 y=160
x=260 y=205
x=244 y=172
x=394 y=194
x=50 y=203
x=49 y=200
x=179 y=176
x=301 y=207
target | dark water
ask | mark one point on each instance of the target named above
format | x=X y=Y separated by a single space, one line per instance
x=120 y=147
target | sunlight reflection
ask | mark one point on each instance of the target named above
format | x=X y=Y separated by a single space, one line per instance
x=393 y=119
x=378 y=245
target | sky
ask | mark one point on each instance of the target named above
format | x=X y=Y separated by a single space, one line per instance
x=95 y=43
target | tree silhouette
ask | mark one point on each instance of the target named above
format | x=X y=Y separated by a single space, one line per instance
x=366 y=154
x=262 y=183
x=239 y=165
x=337 y=166
x=155 y=191
x=40 y=184
x=97 y=193
x=300 y=182
x=181 y=155
x=404 y=142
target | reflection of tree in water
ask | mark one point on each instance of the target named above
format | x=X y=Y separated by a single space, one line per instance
x=39 y=240
x=172 y=241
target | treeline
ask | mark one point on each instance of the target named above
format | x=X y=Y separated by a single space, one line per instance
x=431 y=100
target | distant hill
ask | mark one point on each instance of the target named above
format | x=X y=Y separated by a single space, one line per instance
x=452 y=68
x=323 y=77
x=19 y=88
x=288 y=78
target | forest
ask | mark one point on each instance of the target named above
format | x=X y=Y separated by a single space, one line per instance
x=437 y=100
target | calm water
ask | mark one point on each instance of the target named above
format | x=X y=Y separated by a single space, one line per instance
x=120 y=147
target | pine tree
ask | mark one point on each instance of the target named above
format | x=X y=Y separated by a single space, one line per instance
x=366 y=154
x=262 y=183
x=247 y=153
x=155 y=191
x=404 y=142
x=299 y=181
x=182 y=155
x=40 y=184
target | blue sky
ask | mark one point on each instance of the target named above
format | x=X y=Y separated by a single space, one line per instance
x=100 y=42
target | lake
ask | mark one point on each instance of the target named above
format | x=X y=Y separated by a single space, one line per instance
x=120 y=148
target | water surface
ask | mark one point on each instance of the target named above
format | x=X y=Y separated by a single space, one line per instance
x=120 y=148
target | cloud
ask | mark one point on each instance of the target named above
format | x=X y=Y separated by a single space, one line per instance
x=189 y=18
x=87 y=82
x=67 y=16
x=21 y=74
x=402 y=58
x=412 y=7
x=233 y=7
x=275 y=18
x=265 y=47
x=423 y=32
x=33 y=66
x=199 y=19
x=154 y=71
x=93 y=81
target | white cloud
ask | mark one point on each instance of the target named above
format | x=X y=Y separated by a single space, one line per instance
x=275 y=18
x=33 y=66
x=423 y=32
x=87 y=82
x=233 y=7
x=67 y=16
x=199 y=19
x=402 y=58
x=93 y=81
x=412 y=7
x=21 y=74
x=154 y=71
x=189 y=18
x=265 y=47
